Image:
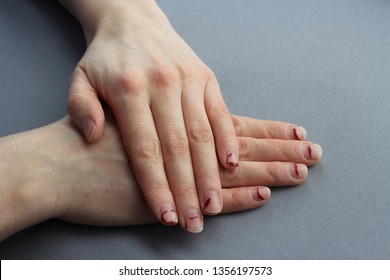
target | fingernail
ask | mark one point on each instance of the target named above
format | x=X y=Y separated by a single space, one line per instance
x=88 y=128
x=260 y=194
x=193 y=221
x=296 y=132
x=298 y=171
x=312 y=151
x=212 y=203
x=232 y=157
x=168 y=215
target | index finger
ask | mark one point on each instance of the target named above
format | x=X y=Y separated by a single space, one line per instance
x=263 y=129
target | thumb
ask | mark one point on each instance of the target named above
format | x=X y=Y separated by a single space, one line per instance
x=84 y=106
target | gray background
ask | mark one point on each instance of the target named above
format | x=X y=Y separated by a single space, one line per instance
x=322 y=64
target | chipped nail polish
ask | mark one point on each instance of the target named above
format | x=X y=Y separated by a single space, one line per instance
x=256 y=195
x=312 y=151
x=168 y=215
x=193 y=221
x=296 y=133
x=232 y=158
x=298 y=171
x=212 y=203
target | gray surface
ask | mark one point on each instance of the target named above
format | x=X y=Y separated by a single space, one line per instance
x=322 y=64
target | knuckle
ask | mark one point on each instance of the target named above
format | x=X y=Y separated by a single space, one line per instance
x=187 y=191
x=131 y=82
x=163 y=76
x=75 y=101
x=273 y=131
x=177 y=145
x=194 y=72
x=208 y=178
x=148 y=148
x=230 y=175
x=219 y=109
x=286 y=152
x=186 y=70
x=237 y=202
x=244 y=145
x=273 y=171
x=237 y=124
x=158 y=189
x=200 y=132
x=209 y=74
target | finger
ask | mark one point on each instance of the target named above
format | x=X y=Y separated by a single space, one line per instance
x=168 y=115
x=274 y=174
x=84 y=106
x=249 y=127
x=279 y=150
x=244 y=198
x=141 y=141
x=204 y=158
x=222 y=125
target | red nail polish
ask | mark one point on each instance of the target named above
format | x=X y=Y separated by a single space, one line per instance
x=168 y=214
x=170 y=223
x=207 y=202
x=256 y=194
x=309 y=151
x=259 y=196
x=193 y=221
x=296 y=169
x=295 y=134
x=212 y=203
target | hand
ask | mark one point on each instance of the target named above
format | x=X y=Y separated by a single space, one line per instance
x=111 y=197
x=166 y=101
x=51 y=172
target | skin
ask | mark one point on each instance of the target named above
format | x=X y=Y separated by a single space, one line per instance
x=52 y=172
x=167 y=102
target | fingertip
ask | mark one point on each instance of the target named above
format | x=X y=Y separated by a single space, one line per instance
x=212 y=203
x=168 y=214
x=193 y=221
x=298 y=171
x=228 y=157
x=260 y=194
x=92 y=128
x=232 y=158
x=244 y=198
x=87 y=113
x=296 y=132
x=88 y=127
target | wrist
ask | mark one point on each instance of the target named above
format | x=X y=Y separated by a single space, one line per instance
x=101 y=16
x=27 y=197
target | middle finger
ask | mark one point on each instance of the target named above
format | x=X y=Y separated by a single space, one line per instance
x=168 y=116
x=279 y=150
